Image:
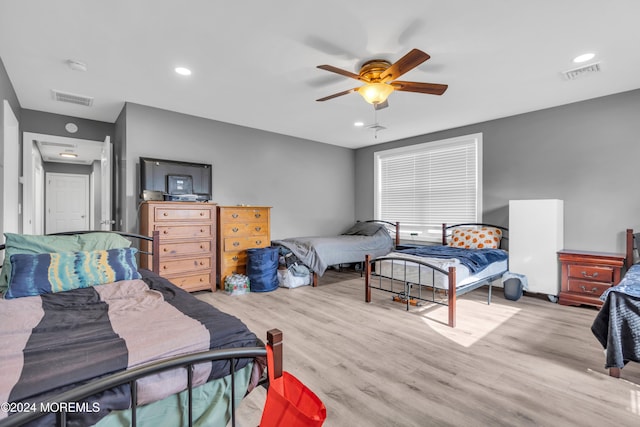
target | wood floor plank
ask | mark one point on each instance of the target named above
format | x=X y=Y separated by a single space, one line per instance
x=511 y=363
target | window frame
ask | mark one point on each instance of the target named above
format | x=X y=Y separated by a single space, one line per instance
x=432 y=233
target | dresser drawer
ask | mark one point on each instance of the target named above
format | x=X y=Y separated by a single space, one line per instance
x=591 y=272
x=172 y=214
x=243 y=214
x=168 y=267
x=587 y=287
x=234 y=258
x=185 y=248
x=192 y=282
x=185 y=231
x=232 y=244
x=250 y=229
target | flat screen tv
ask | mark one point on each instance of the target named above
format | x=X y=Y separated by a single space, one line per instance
x=175 y=180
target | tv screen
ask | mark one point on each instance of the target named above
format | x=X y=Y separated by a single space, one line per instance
x=175 y=178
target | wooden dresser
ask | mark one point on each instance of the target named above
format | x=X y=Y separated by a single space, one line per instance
x=187 y=242
x=586 y=275
x=240 y=228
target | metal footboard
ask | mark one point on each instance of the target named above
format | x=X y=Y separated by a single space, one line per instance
x=401 y=285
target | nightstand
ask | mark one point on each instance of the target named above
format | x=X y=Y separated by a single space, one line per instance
x=586 y=275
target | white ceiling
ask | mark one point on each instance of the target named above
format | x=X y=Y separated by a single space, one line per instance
x=254 y=62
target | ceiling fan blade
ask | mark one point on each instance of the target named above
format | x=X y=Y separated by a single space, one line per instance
x=335 y=95
x=340 y=71
x=429 y=88
x=408 y=62
x=381 y=105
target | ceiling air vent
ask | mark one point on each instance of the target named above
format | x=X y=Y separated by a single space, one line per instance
x=72 y=98
x=582 y=71
x=56 y=144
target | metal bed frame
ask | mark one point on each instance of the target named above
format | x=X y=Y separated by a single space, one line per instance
x=405 y=295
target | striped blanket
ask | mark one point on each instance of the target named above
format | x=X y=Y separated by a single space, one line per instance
x=53 y=342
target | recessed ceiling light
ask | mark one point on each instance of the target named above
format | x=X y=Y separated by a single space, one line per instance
x=584 y=57
x=69 y=155
x=183 y=71
x=358 y=124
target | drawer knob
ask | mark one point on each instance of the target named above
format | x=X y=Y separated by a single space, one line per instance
x=164 y=267
x=166 y=250
x=166 y=231
x=235 y=215
x=201 y=263
x=201 y=213
x=236 y=243
x=235 y=258
x=166 y=214
x=258 y=228
x=258 y=215
x=592 y=276
x=201 y=279
x=234 y=229
x=258 y=242
x=201 y=246
x=593 y=290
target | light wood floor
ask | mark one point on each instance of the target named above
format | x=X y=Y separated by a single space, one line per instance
x=511 y=363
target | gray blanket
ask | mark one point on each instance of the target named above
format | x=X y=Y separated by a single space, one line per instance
x=318 y=253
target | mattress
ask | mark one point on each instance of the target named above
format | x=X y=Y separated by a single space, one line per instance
x=318 y=253
x=405 y=268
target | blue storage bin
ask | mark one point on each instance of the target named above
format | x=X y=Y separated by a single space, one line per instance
x=262 y=269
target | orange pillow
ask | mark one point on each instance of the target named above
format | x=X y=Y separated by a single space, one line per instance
x=476 y=238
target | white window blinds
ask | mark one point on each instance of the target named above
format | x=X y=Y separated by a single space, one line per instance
x=425 y=185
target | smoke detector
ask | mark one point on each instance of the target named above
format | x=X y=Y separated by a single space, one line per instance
x=71 y=98
x=582 y=71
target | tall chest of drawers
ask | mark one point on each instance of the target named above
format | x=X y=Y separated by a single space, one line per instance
x=240 y=228
x=187 y=242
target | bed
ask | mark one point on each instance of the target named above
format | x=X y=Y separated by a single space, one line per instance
x=617 y=324
x=90 y=339
x=471 y=255
x=371 y=237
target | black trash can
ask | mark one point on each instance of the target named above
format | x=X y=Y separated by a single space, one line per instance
x=262 y=269
x=513 y=289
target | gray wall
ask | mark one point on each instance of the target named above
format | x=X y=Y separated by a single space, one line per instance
x=310 y=185
x=584 y=153
x=53 y=124
x=7 y=92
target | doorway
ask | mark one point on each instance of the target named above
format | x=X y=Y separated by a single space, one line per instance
x=41 y=159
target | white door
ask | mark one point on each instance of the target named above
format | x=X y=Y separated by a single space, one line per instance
x=67 y=199
x=105 y=186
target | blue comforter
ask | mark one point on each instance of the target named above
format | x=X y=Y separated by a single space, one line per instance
x=630 y=284
x=474 y=259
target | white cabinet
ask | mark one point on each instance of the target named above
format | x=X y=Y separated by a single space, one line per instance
x=536 y=234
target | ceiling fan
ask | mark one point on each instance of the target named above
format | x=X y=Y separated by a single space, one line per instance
x=380 y=77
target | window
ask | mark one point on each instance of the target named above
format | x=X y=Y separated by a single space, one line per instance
x=425 y=185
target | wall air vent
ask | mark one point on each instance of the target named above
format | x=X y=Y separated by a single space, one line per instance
x=582 y=71
x=72 y=98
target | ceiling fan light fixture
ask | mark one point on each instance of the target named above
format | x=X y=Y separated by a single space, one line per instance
x=375 y=93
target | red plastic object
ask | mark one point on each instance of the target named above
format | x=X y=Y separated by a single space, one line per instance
x=289 y=402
